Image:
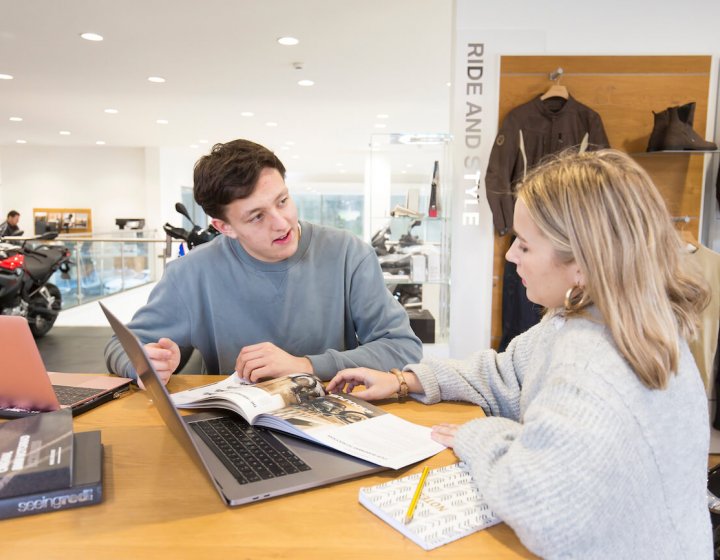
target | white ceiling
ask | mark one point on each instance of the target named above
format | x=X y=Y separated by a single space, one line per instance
x=220 y=58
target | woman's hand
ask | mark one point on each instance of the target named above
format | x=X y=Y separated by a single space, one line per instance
x=378 y=384
x=445 y=434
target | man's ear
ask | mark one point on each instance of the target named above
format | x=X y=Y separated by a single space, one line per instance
x=223 y=227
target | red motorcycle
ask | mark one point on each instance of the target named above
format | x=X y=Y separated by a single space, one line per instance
x=25 y=289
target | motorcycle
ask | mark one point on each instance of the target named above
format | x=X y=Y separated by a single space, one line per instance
x=25 y=289
x=196 y=236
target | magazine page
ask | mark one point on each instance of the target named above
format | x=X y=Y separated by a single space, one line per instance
x=355 y=427
x=248 y=399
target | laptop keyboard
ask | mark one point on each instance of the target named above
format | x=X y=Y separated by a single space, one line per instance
x=248 y=453
x=70 y=395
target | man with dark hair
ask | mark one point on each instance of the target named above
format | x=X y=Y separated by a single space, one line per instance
x=272 y=295
x=10 y=225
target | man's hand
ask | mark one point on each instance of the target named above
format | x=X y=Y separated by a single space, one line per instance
x=267 y=360
x=164 y=356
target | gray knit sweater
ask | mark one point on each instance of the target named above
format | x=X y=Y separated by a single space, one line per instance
x=577 y=456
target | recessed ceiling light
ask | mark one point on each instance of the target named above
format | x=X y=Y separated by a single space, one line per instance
x=21 y=141
x=16 y=119
x=203 y=141
x=284 y=147
x=403 y=171
x=6 y=77
x=343 y=171
x=111 y=111
x=288 y=41
x=162 y=121
x=296 y=156
x=91 y=36
x=306 y=83
x=247 y=114
x=448 y=84
x=380 y=125
x=271 y=123
x=156 y=80
x=193 y=146
x=290 y=142
x=64 y=133
x=100 y=142
x=382 y=116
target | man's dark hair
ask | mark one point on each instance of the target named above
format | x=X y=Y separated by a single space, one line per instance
x=229 y=172
x=13 y=213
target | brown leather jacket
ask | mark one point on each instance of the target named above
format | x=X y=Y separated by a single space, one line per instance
x=529 y=133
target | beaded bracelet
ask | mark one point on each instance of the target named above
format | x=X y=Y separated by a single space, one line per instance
x=403 y=390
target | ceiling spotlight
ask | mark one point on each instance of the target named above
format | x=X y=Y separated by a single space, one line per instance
x=203 y=141
x=193 y=146
x=100 y=142
x=306 y=83
x=6 y=77
x=16 y=119
x=162 y=121
x=156 y=80
x=21 y=141
x=64 y=133
x=247 y=114
x=111 y=111
x=288 y=41
x=290 y=142
x=91 y=36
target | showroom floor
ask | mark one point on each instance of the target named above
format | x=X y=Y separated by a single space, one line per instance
x=77 y=341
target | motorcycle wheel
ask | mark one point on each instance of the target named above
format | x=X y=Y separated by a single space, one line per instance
x=40 y=323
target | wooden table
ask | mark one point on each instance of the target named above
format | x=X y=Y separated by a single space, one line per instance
x=159 y=505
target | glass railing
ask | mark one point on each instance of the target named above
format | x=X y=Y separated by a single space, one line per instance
x=108 y=264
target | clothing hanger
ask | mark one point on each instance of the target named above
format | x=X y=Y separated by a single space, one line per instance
x=556 y=90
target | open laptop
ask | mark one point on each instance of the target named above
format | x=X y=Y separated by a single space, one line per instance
x=245 y=464
x=27 y=388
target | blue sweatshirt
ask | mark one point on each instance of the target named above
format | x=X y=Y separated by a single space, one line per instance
x=327 y=302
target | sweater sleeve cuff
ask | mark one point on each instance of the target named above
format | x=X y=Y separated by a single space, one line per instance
x=429 y=382
x=484 y=440
x=324 y=366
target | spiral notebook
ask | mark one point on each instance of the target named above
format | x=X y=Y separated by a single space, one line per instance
x=450 y=506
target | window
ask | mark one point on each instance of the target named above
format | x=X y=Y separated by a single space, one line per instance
x=340 y=211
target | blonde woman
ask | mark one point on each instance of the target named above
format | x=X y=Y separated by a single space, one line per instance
x=596 y=440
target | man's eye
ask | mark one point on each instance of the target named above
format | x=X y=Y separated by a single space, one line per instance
x=283 y=201
x=256 y=218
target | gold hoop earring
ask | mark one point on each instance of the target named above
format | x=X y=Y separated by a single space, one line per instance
x=576 y=298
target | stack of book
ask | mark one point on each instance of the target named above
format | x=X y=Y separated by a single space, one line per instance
x=45 y=467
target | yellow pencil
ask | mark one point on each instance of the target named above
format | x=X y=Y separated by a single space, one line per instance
x=416 y=496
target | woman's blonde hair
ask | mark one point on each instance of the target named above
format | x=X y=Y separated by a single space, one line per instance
x=602 y=211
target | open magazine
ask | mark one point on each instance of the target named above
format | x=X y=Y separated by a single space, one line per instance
x=298 y=405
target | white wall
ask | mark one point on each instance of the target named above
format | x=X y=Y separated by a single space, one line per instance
x=109 y=181
x=613 y=27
